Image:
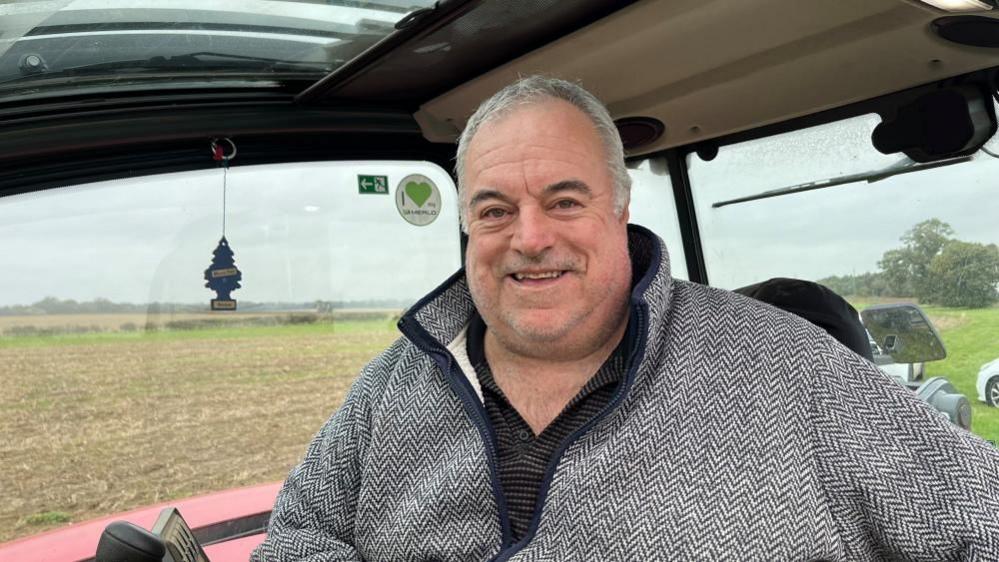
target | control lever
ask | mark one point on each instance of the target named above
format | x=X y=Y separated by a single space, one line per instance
x=171 y=540
x=124 y=542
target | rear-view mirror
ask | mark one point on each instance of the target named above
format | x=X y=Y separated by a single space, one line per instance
x=904 y=332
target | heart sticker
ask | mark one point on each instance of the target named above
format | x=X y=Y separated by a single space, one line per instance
x=418 y=200
x=419 y=192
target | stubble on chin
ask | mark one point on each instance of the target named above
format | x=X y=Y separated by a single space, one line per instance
x=562 y=341
x=532 y=338
x=522 y=331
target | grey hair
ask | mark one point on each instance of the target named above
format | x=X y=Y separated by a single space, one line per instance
x=538 y=89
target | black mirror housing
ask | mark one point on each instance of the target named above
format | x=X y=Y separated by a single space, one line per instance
x=938 y=125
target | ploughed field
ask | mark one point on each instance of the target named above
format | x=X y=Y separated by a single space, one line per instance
x=104 y=413
x=101 y=421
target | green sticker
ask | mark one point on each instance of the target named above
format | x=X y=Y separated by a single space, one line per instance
x=419 y=192
x=418 y=199
x=372 y=184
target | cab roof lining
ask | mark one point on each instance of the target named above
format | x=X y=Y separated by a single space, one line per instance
x=463 y=39
x=779 y=59
x=455 y=42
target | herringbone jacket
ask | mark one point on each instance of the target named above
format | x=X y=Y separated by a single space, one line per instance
x=739 y=433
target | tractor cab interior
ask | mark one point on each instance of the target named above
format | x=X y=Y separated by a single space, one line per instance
x=303 y=150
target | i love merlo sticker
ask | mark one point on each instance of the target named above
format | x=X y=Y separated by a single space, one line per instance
x=418 y=200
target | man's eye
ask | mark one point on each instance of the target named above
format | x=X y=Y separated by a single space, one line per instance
x=566 y=204
x=494 y=213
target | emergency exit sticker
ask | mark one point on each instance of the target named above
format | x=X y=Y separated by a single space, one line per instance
x=372 y=184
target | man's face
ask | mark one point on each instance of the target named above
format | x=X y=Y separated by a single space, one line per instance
x=547 y=256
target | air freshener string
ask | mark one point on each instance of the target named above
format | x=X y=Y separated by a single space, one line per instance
x=225 y=176
x=218 y=154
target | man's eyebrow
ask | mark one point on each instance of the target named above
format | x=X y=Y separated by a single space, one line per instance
x=485 y=195
x=577 y=186
x=574 y=185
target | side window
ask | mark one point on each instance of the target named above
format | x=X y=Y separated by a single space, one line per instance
x=122 y=388
x=822 y=204
x=653 y=206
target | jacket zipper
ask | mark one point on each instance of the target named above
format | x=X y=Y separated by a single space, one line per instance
x=476 y=412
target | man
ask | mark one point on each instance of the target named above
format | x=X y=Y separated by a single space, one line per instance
x=559 y=399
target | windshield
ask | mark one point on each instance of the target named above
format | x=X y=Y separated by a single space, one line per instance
x=51 y=46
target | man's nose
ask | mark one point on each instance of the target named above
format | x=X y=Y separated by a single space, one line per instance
x=534 y=234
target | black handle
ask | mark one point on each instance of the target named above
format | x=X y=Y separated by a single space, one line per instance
x=125 y=542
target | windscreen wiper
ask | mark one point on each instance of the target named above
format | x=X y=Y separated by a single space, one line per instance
x=191 y=61
x=906 y=166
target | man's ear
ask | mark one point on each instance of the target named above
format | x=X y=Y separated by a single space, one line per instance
x=624 y=214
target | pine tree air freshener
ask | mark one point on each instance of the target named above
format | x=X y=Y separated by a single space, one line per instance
x=222 y=276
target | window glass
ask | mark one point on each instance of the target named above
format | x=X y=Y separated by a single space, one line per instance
x=653 y=206
x=95 y=45
x=927 y=236
x=122 y=388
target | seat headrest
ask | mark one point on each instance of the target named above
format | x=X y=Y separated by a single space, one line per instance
x=817 y=304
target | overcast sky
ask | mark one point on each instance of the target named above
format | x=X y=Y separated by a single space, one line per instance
x=302 y=232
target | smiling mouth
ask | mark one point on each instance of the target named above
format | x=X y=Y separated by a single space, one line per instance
x=538 y=276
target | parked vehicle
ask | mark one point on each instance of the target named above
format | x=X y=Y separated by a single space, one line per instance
x=988 y=383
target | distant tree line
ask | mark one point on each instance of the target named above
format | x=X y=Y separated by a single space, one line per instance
x=52 y=305
x=931 y=266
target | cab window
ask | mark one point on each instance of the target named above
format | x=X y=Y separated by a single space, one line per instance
x=822 y=204
x=653 y=206
x=123 y=388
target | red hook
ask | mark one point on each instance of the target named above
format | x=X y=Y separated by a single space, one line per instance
x=218 y=153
